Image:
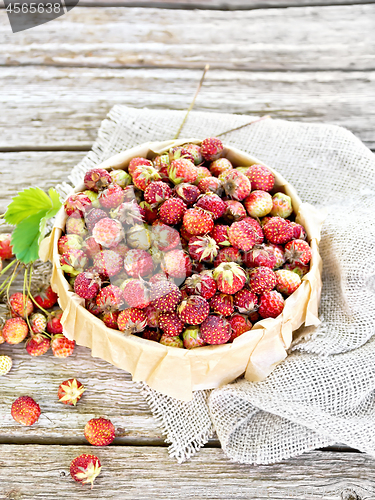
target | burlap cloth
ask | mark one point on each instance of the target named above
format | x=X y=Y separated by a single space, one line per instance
x=324 y=392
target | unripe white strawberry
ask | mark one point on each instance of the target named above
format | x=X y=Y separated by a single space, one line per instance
x=5 y=365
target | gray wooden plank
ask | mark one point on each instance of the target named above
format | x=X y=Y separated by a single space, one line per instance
x=42 y=472
x=306 y=39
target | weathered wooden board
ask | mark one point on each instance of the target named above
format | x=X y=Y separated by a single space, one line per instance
x=42 y=472
x=62 y=107
x=308 y=38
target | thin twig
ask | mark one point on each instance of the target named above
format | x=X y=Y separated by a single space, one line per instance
x=245 y=125
x=30 y=294
x=206 y=68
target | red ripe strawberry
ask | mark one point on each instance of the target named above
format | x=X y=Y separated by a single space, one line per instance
x=212 y=203
x=54 y=322
x=198 y=222
x=271 y=304
x=138 y=263
x=92 y=307
x=192 y=337
x=282 y=205
x=242 y=235
x=220 y=235
x=137 y=162
x=61 y=346
x=172 y=211
x=222 y=303
x=161 y=163
x=6 y=249
x=97 y=179
x=38 y=345
x=99 y=431
x=132 y=320
x=185 y=235
x=91 y=247
x=92 y=217
x=165 y=296
x=77 y=203
x=108 y=263
x=211 y=148
x=87 y=285
x=210 y=184
x=201 y=284
x=260 y=255
x=111 y=197
x=228 y=254
x=152 y=316
x=258 y=203
x=261 y=177
x=38 y=322
x=298 y=251
x=239 y=325
x=257 y=227
x=74 y=225
x=151 y=334
x=136 y=293
x=109 y=298
x=164 y=237
x=171 y=341
x=108 y=232
x=202 y=173
x=171 y=324
x=73 y=262
x=215 y=330
x=70 y=392
x=203 y=248
x=129 y=213
x=278 y=231
x=195 y=151
x=180 y=152
x=299 y=232
x=182 y=170
x=278 y=252
x=187 y=192
x=20 y=305
x=193 y=310
x=110 y=319
x=234 y=211
x=150 y=214
x=298 y=268
x=176 y=264
x=230 y=277
x=85 y=468
x=245 y=301
x=157 y=192
x=287 y=281
x=25 y=410
x=144 y=175
x=219 y=166
x=69 y=241
x=261 y=280
x=235 y=184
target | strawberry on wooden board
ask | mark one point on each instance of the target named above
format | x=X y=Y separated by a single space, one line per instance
x=37 y=345
x=15 y=330
x=70 y=391
x=25 y=410
x=5 y=365
x=85 y=469
x=6 y=249
x=61 y=346
x=99 y=431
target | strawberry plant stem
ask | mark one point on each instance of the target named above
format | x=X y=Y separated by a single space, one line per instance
x=8 y=266
x=242 y=126
x=30 y=295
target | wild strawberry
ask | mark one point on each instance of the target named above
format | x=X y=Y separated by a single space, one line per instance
x=68 y=242
x=45 y=297
x=161 y=163
x=91 y=247
x=261 y=177
x=260 y=255
x=111 y=197
x=271 y=304
x=195 y=151
x=38 y=322
x=203 y=248
x=299 y=232
x=38 y=345
x=193 y=310
x=139 y=237
x=97 y=179
x=15 y=330
x=87 y=285
x=235 y=184
x=138 y=263
x=155 y=278
x=120 y=177
x=228 y=254
x=198 y=222
x=5 y=365
x=99 y=431
x=110 y=298
x=25 y=410
x=234 y=211
x=210 y=184
x=73 y=262
x=230 y=277
x=108 y=263
x=92 y=307
x=180 y=152
x=185 y=235
x=220 y=235
x=70 y=391
x=182 y=170
x=258 y=203
x=108 y=232
x=152 y=316
x=192 y=337
x=6 y=249
x=298 y=251
x=165 y=296
x=135 y=163
x=171 y=341
x=202 y=173
x=93 y=197
x=172 y=211
x=144 y=175
x=281 y=205
x=298 y=268
x=20 y=305
x=215 y=330
x=85 y=469
x=257 y=227
x=171 y=324
x=278 y=252
x=61 y=346
x=132 y=320
x=176 y=264
x=149 y=214
x=54 y=322
x=74 y=225
x=129 y=213
x=151 y=334
x=92 y=217
x=201 y=284
x=187 y=192
x=164 y=237
x=278 y=231
x=239 y=325
x=77 y=203
x=110 y=319
x=261 y=279
x=219 y=166
x=287 y=281
x=222 y=303
x=242 y=235
x=212 y=203
x=136 y=293
x=157 y=192
x=211 y=148
x=245 y=301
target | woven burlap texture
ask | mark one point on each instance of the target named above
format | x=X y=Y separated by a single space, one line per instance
x=324 y=392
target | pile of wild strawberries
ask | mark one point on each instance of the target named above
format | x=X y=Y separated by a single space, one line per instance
x=185 y=249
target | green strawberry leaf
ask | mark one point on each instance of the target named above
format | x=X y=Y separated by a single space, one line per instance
x=55 y=205
x=25 y=238
x=28 y=202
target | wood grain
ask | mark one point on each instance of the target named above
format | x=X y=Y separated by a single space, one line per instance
x=147 y=472
x=293 y=39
